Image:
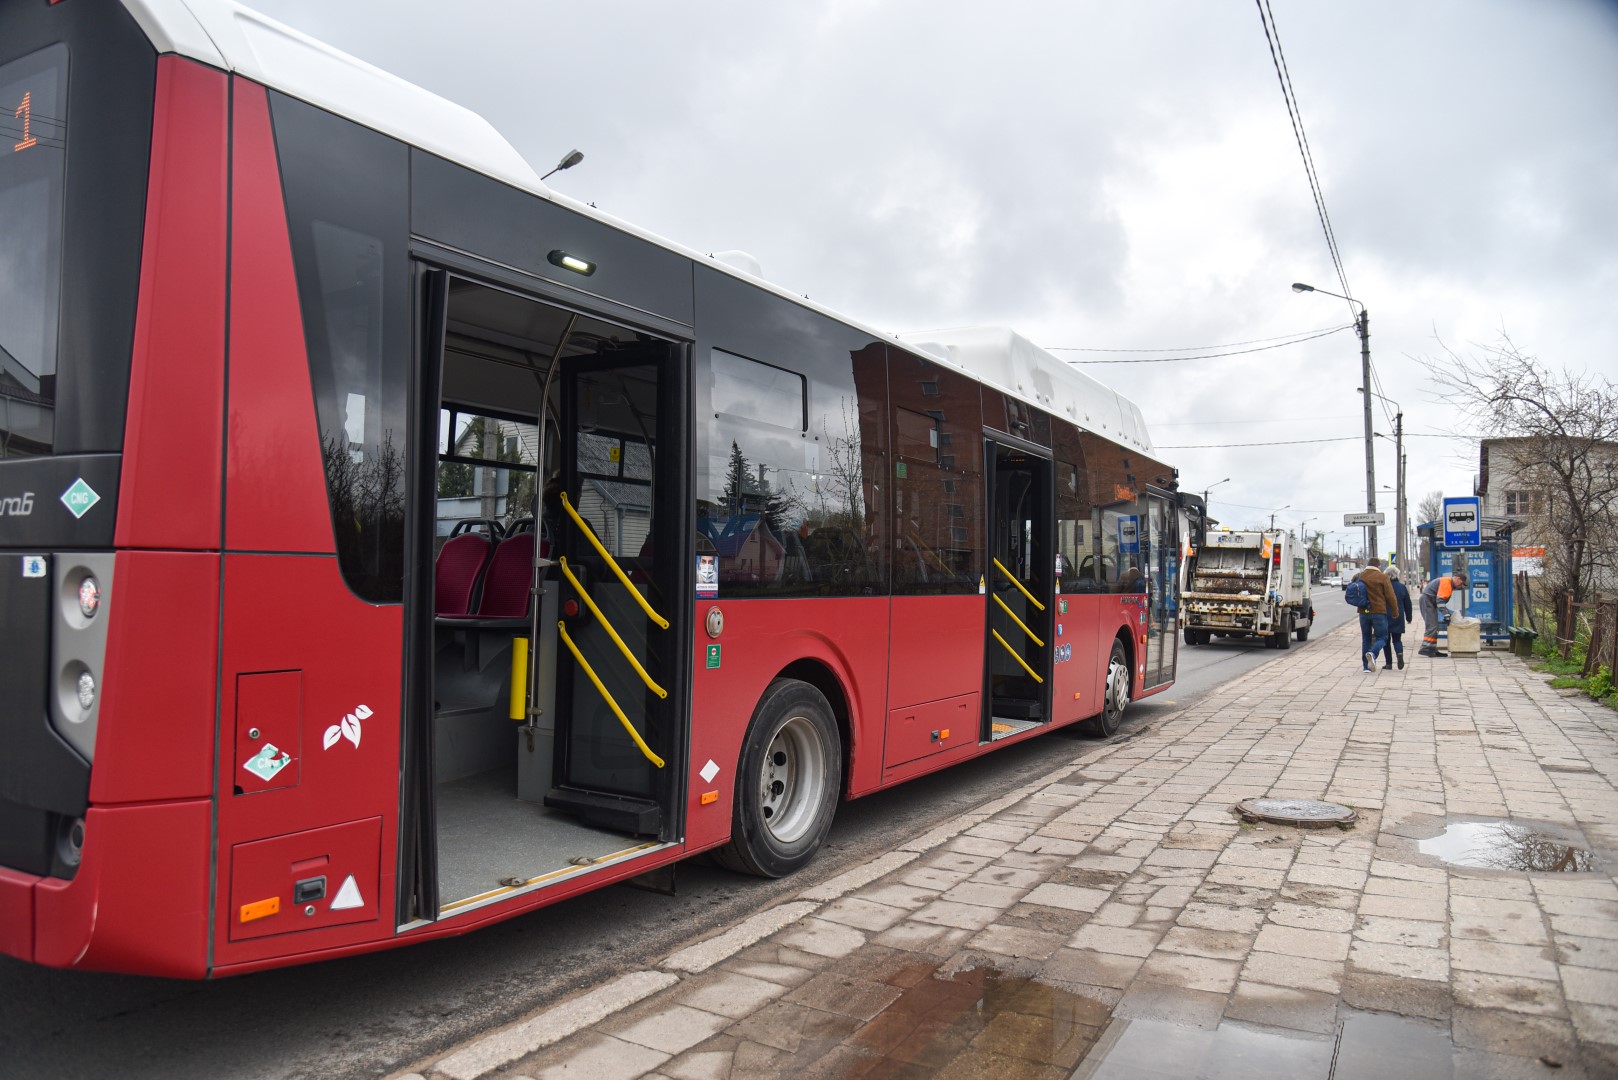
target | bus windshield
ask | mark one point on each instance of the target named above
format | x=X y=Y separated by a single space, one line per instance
x=33 y=132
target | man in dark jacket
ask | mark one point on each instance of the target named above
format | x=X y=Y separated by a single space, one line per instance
x=1374 y=615
x=1397 y=618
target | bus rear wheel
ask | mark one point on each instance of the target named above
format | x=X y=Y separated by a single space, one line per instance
x=787 y=783
x=1114 y=695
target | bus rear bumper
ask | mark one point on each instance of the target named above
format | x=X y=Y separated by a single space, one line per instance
x=17 y=913
x=138 y=904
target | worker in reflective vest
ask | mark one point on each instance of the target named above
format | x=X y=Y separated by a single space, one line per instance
x=1437 y=591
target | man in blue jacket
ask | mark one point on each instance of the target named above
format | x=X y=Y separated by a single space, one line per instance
x=1398 y=616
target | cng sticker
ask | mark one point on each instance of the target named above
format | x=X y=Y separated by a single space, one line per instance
x=713 y=656
x=79 y=498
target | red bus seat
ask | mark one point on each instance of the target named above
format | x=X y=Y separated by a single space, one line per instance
x=457 y=572
x=507 y=581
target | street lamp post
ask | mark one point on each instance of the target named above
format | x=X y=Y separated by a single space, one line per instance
x=1276 y=511
x=1209 y=488
x=1362 y=326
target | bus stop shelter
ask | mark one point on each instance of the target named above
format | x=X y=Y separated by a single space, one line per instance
x=1488 y=594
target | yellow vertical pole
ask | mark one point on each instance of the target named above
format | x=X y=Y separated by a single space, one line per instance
x=519 y=679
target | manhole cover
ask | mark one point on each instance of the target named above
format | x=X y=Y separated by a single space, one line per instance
x=1304 y=813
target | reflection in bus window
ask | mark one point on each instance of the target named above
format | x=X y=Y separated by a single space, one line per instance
x=937 y=478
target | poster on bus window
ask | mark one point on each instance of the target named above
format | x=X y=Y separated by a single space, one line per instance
x=707 y=577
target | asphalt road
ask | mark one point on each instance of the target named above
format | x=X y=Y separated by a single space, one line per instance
x=371 y=1015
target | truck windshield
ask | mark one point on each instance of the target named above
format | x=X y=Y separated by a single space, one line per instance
x=33 y=142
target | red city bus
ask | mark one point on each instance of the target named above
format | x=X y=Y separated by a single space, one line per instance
x=394 y=546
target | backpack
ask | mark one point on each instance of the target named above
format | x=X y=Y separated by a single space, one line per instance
x=1356 y=594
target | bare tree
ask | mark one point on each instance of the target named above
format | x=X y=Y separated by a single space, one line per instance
x=1563 y=432
x=1431 y=507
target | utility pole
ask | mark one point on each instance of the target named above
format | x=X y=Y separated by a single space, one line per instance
x=1363 y=325
x=1400 y=551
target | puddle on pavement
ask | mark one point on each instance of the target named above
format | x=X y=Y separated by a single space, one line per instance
x=1365 y=1046
x=976 y=1018
x=1506 y=845
x=982 y=1021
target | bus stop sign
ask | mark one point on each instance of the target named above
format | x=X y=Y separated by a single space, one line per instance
x=1463 y=522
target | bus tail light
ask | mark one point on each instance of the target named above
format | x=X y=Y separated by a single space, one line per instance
x=83 y=589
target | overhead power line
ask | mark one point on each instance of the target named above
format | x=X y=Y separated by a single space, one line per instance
x=1258 y=420
x=1279 y=442
x=1272 y=34
x=1214 y=355
x=1191 y=348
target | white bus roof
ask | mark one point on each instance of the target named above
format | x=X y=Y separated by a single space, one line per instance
x=1013 y=363
x=229 y=36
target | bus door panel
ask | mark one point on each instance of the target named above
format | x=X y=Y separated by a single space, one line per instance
x=1161 y=547
x=1019 y=586
x=625 y=555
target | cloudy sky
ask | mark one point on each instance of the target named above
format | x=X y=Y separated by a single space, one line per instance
x=1102 y=176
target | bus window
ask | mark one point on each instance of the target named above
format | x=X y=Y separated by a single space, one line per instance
x=34 y=132
x=347 y=199
x=937 y=479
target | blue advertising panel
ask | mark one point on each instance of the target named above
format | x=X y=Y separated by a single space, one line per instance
x=1463 y=522
x=1480 y=591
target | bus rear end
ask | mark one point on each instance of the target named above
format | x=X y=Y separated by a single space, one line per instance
x=98 y=794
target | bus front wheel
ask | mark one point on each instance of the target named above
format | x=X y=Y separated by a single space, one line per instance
x=786 y=788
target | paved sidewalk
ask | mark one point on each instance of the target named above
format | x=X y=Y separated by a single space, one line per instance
x=1114 y=919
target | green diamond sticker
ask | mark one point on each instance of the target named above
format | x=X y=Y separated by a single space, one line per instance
x=713 y=656
x=79 y=498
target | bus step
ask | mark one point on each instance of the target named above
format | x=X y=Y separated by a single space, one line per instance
x=620 y=813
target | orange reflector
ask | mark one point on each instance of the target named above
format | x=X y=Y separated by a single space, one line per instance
x=261 y=909
x=1143 y=639
x=943 y=734
x=709 y=797
x=1075 y=696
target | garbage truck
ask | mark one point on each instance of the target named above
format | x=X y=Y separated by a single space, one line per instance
x=1248 y=585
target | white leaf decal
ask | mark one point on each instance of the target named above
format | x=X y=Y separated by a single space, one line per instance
x=362 y=711
x=351 y=729
x=333 y=733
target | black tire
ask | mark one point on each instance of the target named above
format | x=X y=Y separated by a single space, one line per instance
x=1283 y=638
x=1301 y=633
x=1191 y=637
x=787 y=783
x=1114 y=694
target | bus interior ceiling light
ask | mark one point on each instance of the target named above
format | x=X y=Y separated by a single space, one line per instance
x=571 y=262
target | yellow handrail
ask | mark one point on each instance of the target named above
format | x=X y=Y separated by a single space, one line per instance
x=616 y=640
x=589 y=534
x=1014 y=656
x=606 y=696
x=1014 y=581
x=1019 y=622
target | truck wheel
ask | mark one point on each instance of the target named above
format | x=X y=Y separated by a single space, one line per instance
x=786 y=784
x=1192 y=637
x=1283 y=636
x=1114 y=696
x=1301 y=633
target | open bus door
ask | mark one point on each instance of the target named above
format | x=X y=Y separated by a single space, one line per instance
x=620 y=569
x=1020 y=587
x=546 y=728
